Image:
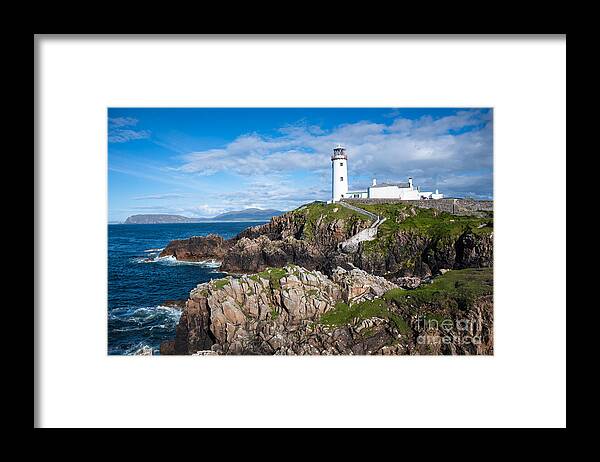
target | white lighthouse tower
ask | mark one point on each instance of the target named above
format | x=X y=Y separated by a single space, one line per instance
x=339 y=173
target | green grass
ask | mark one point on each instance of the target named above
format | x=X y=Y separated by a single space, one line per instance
x=220 y=283
x=368 y=332
x=327 y=213
x=273 y=275
x=343 y=314
x=431 y=222
x=441 y=227
x=456 y=288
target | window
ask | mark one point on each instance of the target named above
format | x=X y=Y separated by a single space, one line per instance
x=341 y=164
x=341 y=178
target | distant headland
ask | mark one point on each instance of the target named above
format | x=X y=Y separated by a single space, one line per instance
x=250 y=214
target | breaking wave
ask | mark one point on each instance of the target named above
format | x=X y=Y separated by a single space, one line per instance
x=139 y=282
x=142 y=323
x=145 y=313
x=141 y=348
x=170 y=260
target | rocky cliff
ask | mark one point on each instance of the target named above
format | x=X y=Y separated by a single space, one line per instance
x=198 y=248
x=292 y=310
x=412 y=243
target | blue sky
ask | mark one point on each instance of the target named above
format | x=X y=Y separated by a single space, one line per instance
x=203 y=161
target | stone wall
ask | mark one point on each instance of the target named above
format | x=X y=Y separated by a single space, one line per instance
x=456 y=206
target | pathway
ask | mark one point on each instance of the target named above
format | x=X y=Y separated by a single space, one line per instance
x=351 y=245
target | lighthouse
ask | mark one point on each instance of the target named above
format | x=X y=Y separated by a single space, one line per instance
x=339 y=173
x=402 y=191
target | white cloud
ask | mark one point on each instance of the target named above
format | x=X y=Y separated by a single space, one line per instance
x=293 y=167
x=158 y=196
x=122 y=136
x=122 y=121
x=277 y=192
x=447 y=147
x=155 y=208
x=117 y=134
x=203 y=210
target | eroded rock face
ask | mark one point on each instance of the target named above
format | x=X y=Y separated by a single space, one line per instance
x=420 y=256
x=197 y=248
x=285 y=240
x=468 y=332
x=255 y=255
x=357 y=285
x=324 y=235
x=408 y=282
x=280 y=312
x=273 y=313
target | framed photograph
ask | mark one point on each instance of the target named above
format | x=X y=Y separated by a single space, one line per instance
x=347 y=225
x=251 y=231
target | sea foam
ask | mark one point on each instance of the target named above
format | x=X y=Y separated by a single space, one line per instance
x=170 y=260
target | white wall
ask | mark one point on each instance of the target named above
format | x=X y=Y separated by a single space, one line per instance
x=384 y=192
x=410 y=194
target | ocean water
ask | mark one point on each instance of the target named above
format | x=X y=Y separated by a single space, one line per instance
x=139 y=283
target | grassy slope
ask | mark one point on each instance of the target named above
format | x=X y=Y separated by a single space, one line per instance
x=344 y=314
x=452 y=291
x=400 y=217
x=430 y=223
x=456 y=289
x=273 y=275
x=326 y=213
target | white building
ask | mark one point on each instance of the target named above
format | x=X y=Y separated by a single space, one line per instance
x=339 y=184
x=339 y=173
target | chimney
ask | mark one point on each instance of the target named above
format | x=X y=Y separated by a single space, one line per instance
x=374 y=182
x=410 y=182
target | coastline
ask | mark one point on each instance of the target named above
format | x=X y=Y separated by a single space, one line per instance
x=306 y=241
x=139 y=284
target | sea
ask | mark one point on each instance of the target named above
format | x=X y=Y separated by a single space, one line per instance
x=140 y=283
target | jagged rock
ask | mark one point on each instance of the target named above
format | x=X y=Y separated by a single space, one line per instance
x=178 y=304
x=255 y=255
x=408 y=282
x=275 y=312
x=197 y=248
x=281 y=311
x=144 y=351
x=357 y=285
x=167 y=348
x=294 y=238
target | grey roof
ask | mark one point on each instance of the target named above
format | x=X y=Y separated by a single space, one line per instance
x=383 y=185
